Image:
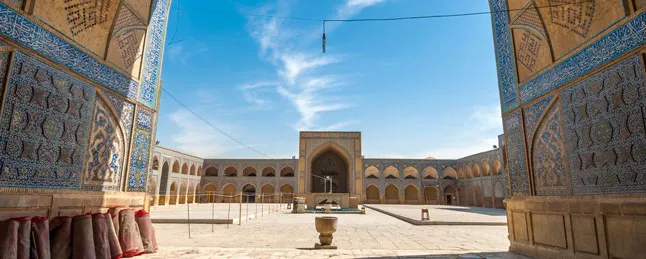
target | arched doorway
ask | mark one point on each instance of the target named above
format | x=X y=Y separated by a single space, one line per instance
x=210 y=192
x=191 y=193
x=163 y=184
x=249 y=192
x=411 y=194
x=287 y=192
x=499 y=195
x=372 y=194
x=182 y=193
x=267 y=191
x=431 y=195
x=392 y=194
x=451 y=194
x=478 y=196
x=330 y=164
x=173 y=194
x=229 y=190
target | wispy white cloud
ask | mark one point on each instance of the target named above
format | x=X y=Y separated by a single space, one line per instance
x=302 y=77
x=253 y=93
x=179 y=52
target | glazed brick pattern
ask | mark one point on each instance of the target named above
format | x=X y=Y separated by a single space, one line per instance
x=140 y=155
x=504 y=55
x=29 y=34
x=604 y=118
x=153 y=53
x=516 y=154
x=44 y=127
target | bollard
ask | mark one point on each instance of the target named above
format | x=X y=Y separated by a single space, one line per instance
x=188 y=218
x=425 y=211
x=212 y=216
x=240 y=211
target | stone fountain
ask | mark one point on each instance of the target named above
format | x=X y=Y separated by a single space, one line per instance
x=326 y=226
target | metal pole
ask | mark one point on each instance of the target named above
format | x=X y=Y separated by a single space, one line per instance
x=247 y=208
x=212 y=215
x=262 y=205
x=240 y=211
x=188 y=216
x=229 y=212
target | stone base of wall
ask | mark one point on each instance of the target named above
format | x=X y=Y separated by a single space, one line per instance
x=603 y=226
x=52 y=203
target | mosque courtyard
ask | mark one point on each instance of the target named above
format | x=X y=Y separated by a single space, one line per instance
x=281 y=234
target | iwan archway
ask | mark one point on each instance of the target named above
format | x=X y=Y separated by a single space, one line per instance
x=330 y=163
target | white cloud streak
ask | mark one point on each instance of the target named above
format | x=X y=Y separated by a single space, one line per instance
x=302 y=78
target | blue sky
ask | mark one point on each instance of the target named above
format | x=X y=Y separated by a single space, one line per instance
x=413 y=88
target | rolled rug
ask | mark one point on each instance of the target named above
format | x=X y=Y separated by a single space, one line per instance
x=101 y=240
x=147 y=231
x=83 y=237
x=113 y=239
x=24 y=237
x=60 y=237
x=114 y=211
x=129 y=235
x=40 y=238
x=9 y=238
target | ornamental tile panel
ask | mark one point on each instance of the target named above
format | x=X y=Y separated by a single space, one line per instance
x=604 y=121
x=44 y=127
x=504 y=55
x=153 y=53
x=514 y=137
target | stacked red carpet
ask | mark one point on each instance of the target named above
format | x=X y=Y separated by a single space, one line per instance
x=116 y=234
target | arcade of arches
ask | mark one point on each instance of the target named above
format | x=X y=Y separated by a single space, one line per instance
x=477 y=180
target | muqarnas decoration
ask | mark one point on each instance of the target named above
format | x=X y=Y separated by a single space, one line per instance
x=44 y=127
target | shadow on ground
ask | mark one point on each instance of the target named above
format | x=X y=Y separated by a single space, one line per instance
x=493 y=255
x=491 y=212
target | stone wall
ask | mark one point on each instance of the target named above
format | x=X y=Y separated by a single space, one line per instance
x=571 y=78
x=76 y=119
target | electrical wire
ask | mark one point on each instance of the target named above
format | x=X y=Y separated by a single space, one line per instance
x=177 y=26
x=213 y=126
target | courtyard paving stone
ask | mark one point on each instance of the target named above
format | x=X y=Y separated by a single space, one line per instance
x=374 y=235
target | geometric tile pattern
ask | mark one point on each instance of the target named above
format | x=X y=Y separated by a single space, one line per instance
x=619 y=41
x=44 y=127
x=606 y=134
x=83 y=15
x=504 y=55
x=140 y=155
x=128 y=32
x=126 y=112
x=106 y=151
x=31 y=35
x=514 y=139
x=4 y=65
x=153 y=53
x=533 y=113
x=548 y=156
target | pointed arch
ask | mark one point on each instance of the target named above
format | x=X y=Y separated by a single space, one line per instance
x=372 y=194
x=268 y=172
x=430 y=173
x=192 y=171
x=176 y=167
x=155 y=163
x=287 y=172
x=411 y=194
x=372 y=172
x=476 y=170
x=248 y=171
x=199 y=171
x=268 y=192
x=184 y=168
x=173 y=193
x=211 y=171
x=467 y=170
x=287 y=192
x=449 y=173
x=391 y=173
x=496 y=167
x=486 y=169
x=229 y=190
x=182 y=193
x=191 y=193
x=392 y=194
x=230 y=171
x=210 y=191
x=411 y=173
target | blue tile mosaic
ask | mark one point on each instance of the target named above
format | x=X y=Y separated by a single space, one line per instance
x=551 y=175
x=532 y=115
x=151 y=73
x=28 y=33
x=44 y=127
x=504 y=55
x=514 y=138
x=140 y=155
x=606 y=133
x=619 y=41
